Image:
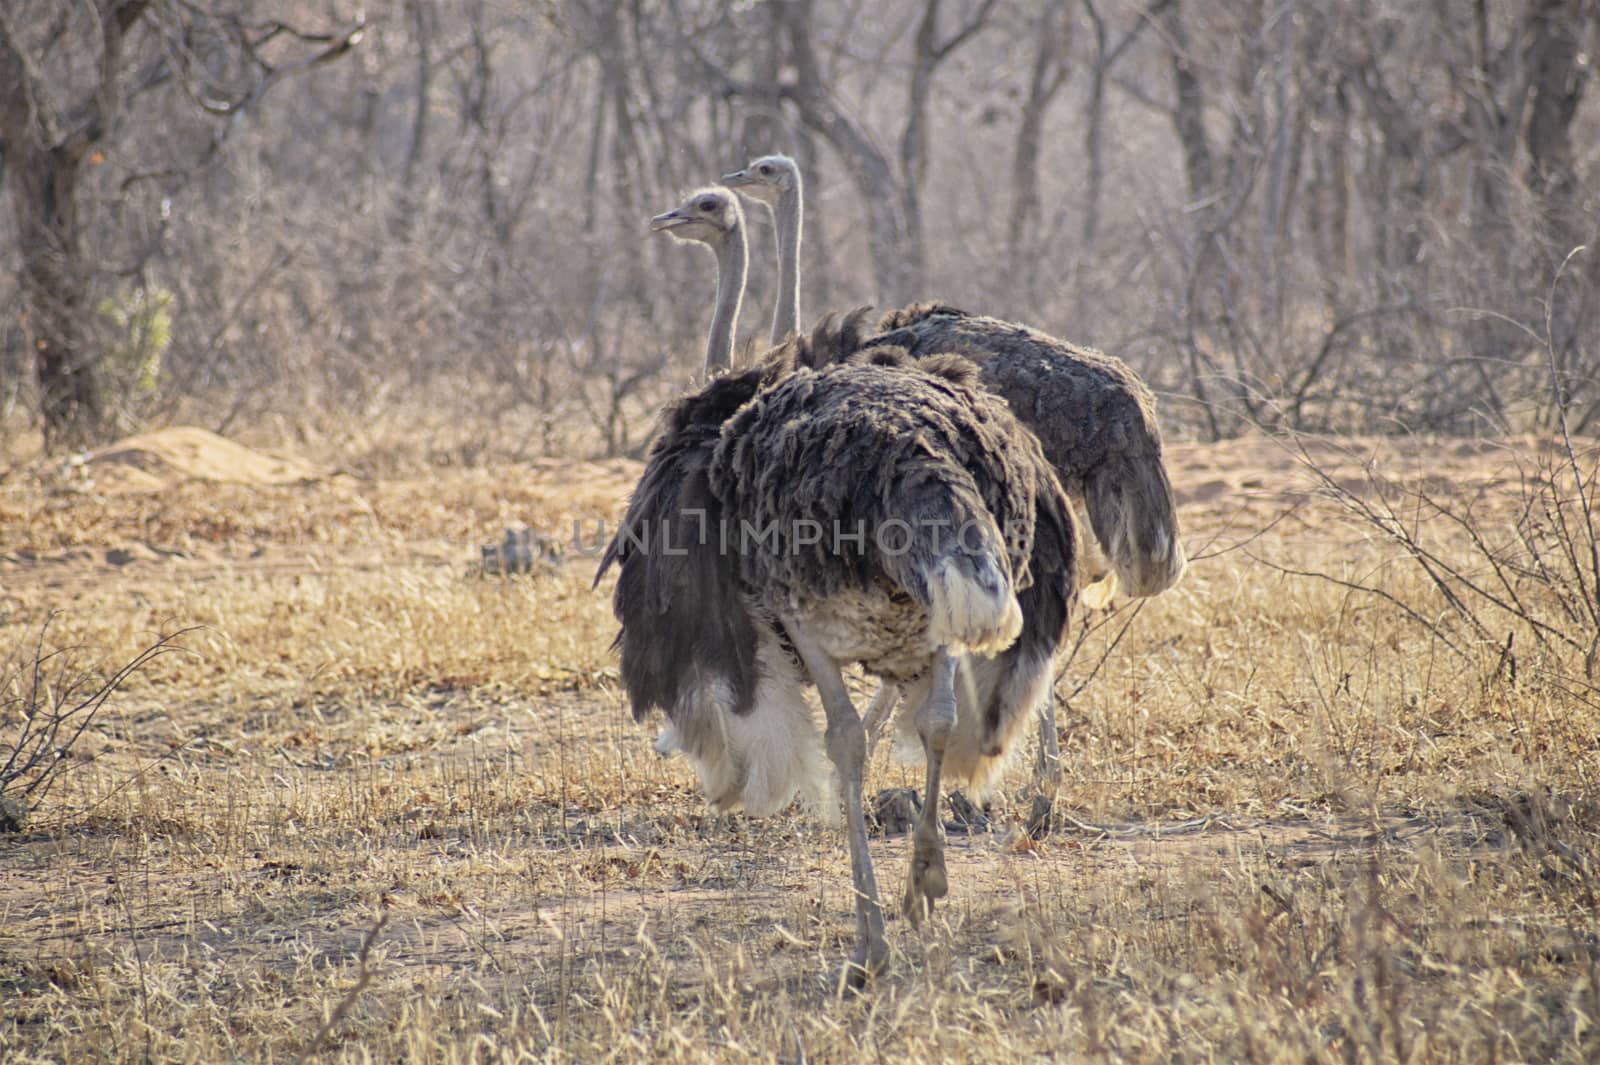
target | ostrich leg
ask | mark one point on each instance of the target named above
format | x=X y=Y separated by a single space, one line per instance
x=880 y=712
x=846 y=741
x=1048 y=768
x=935 y=720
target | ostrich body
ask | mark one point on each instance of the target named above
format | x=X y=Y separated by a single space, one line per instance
x=775 y=181
x=880 y=510
x=1094 y=416
x=1097 y=423
x=829 y=506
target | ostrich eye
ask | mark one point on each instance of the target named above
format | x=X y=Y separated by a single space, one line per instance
x=765 y=168
x=708 y=206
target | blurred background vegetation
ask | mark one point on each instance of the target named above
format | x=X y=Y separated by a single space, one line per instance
x=307 y=217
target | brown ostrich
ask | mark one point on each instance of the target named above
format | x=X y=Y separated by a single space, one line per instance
x=837 y=504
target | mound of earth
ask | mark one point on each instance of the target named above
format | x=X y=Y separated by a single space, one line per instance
x=156 y=459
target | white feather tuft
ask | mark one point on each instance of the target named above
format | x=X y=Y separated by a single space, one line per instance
x=966 y=614
x=971 y=756
x=759 y=761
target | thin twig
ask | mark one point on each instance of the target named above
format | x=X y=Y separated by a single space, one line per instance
x=363 y=978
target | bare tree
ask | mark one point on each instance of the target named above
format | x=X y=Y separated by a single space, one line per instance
x=65 y=72
x=1561 y=71
x=869 y=168
x=47 y=144
x=930 y=50
x=1291 y=214
x=1046 y=75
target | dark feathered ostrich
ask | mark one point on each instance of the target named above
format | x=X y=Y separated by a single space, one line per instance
x=1093 y=415
x=1096 y=421
x=792 y=520
x=789 y=523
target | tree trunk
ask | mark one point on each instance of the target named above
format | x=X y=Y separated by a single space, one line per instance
x=761 y=131
x=1327 y=215
x=408 y=203
x=44 y=184
x=1560 y=74
x=1045 y=78
x=929 y=52
x=45 y=165
x=869 y=170
x=1094 y=129
x=1282 y=156
x=1189 y=120
x=914 y=147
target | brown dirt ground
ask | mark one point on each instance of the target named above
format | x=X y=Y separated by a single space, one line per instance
x=511 y=823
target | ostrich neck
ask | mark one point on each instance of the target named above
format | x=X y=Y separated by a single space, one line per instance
x=786 y=318
x=732 y=263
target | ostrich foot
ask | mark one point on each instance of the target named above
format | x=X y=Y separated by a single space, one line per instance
x=868 y=961
x=926 y=880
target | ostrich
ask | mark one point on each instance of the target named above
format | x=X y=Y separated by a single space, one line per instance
x=1094 y=416
x=839 y=503
x=881 y=511
x=775 y=181
x=712 y=216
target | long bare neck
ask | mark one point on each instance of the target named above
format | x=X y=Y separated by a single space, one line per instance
x=786 y=212
x=733 y=262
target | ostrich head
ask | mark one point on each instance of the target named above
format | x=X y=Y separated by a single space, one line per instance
x=709 y=215
x=766 y=178
x=712 y=216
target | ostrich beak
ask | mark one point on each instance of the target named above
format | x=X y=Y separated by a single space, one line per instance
x=668 y=220
x=737 y=180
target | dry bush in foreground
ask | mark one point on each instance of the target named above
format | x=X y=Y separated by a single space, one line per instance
x=47 y=702
x=1513 y=580
x=1533 y=573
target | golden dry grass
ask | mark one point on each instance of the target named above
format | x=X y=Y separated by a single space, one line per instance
x=1296 y=828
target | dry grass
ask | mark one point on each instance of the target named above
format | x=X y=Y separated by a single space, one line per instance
x=1320 y=836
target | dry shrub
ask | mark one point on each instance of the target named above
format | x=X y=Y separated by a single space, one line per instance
x=1514 y=588
x=47 y=702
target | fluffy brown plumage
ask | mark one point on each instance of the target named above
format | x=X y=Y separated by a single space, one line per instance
x=1094 y=417
x=874 y=476
x=830 y=433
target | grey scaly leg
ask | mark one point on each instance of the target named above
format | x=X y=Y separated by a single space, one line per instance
x=935 y=721
x=846 y=741
x=880 y=712
x=1048 y=768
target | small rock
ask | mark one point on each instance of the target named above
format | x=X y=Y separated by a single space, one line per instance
x=13 y=814
x=520 y=551
x=966 y=818
x=894 y=812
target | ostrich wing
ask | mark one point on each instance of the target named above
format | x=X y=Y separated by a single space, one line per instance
x=684 y=618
